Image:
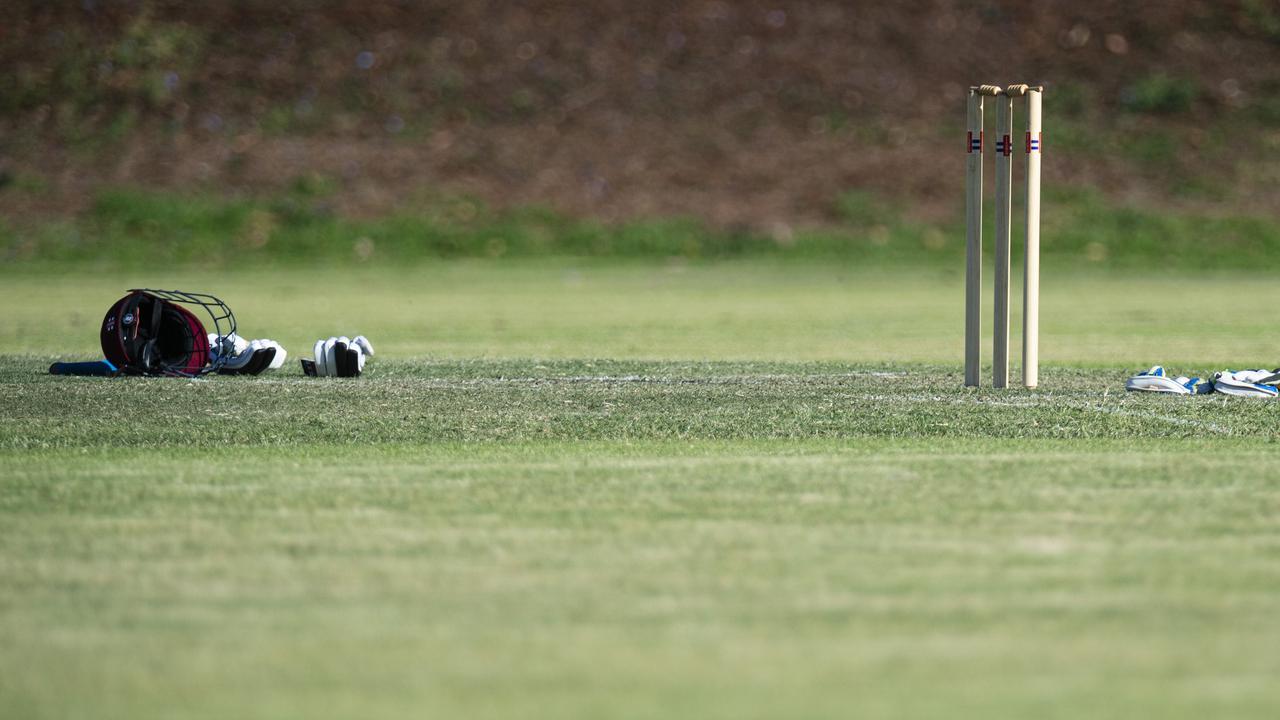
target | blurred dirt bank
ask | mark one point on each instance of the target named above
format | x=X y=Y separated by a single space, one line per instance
x=752 y=114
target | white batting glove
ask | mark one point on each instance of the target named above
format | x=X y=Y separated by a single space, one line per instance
x=245 y=357
x=338 y=357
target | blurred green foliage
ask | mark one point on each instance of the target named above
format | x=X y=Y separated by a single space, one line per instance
x=1264 y=17
x=1155 y=147
x=1084 y=224
x=92 y=86
x=133 y=228
x=1160 y=94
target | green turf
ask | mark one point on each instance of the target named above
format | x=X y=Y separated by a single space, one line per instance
x=768 y=496
x=511 y=401
x=747 y=310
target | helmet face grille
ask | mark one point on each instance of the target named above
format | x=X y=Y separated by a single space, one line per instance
x=160 y=332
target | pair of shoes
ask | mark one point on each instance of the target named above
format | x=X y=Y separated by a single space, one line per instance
x=1248 y=383
x=1157 y=380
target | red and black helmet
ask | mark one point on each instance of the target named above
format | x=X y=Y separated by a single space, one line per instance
x=156 y=332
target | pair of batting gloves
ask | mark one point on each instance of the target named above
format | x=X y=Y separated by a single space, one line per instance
x=338 y=357
x=1242 y=383
x=335 y=357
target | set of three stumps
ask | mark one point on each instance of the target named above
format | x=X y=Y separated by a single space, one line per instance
x=1004 y=99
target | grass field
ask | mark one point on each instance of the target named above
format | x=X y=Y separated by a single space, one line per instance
x=579 y=490
x=742 y=310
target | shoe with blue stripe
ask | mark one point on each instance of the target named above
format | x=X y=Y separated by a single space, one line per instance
x=1157 y=380
x=1247 y=383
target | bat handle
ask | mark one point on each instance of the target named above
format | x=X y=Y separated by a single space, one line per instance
x=102 y=368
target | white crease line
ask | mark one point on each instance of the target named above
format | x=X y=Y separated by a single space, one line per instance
x=645 y=379
x=1185 y=422
x=1033 y=402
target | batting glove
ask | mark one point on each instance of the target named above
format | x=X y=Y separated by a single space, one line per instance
x=1157 y=380
x=245 y=357
x=1247 y=383
x=338 y=357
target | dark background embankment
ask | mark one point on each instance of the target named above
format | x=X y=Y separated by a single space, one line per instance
x=755 y=117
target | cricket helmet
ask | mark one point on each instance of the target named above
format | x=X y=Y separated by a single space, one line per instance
x=159 y=332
